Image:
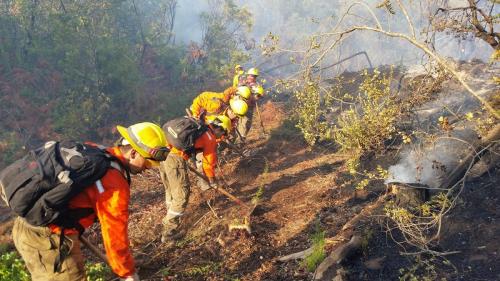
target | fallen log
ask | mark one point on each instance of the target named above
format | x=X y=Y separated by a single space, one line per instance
x=307 y=252
x=365 y=212
x=345 y=250
x=298 y=255
x=337 y=256
x=457 y=174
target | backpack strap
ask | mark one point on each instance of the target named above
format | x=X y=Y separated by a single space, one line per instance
x=62 y=253
x=117 y=164
x=71 y=220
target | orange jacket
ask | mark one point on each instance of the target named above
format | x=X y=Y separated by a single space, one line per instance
x=110 y=204
x=212 y=102
x=206 y=143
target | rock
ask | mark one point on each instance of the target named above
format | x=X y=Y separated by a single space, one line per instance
x=375 y=264
x=361 y=194
x=478 y=258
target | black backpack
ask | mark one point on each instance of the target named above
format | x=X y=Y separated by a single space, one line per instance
x=183 y=132
x=39 y=186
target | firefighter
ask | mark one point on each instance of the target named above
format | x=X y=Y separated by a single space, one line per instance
x=174 y=171
x=249 y=78
x=211 y=103
x=257 y=92
x=52 y=255
x=238 y=73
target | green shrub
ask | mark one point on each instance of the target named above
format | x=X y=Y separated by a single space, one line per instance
x=97 y=272
x=12 y=268
x=310 y=111
x=371 y=120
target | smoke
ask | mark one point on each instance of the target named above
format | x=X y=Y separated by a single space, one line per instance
x=430 y=164
x=295 y=21
x=187 y=26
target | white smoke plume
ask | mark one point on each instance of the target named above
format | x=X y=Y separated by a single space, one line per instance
x=429 y=164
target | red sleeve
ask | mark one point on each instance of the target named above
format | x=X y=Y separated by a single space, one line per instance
x=112 y=211
x=208 y=143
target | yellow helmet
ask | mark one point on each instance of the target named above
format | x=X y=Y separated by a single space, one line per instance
x=238 y=67
x=253 y=71
x=220 y=120
x=257 y=90
x=148 y=139
x=244 y=92
x=238 y=106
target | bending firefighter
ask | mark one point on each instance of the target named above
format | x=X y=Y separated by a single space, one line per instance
x=186 y=137
x=228 y=103
x=80 y=183
x=257 y=91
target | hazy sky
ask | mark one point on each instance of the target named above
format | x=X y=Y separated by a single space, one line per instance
x=293 y=26
x=187 y=22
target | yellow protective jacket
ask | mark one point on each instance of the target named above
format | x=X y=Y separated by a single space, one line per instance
x=212 y=102
x=236 y=78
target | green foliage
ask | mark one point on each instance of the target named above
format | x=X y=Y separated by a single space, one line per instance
x=12 y=268
x=165 y=272
x=258 y=195
x=318 y=254
x=423 y=269
x=75 y=70
x=309 y=111
x=367 y=122
x=202 y=270
x=97 y=272
x=225 y=30
x=371 y=122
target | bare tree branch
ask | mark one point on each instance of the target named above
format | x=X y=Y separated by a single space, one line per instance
x=434 y=56
x=410 y=24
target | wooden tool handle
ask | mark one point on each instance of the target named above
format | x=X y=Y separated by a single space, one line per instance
x=94 y=249
x=220 y=189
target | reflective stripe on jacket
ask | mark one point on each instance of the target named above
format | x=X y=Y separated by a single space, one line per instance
x=109 y=199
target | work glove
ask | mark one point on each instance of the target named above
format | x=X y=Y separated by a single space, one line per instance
x=134 y=277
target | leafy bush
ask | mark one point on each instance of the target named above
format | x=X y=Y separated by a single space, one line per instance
x=12 y=268
x=97 y=272
x=310 y=112
x=371 y=121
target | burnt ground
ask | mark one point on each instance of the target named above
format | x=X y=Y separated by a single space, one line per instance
x=304 y=190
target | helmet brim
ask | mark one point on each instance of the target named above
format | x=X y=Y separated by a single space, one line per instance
x=152 y=163
x=124 y=133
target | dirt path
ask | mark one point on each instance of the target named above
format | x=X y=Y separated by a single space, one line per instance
x=299 y=189
x=302 y=189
